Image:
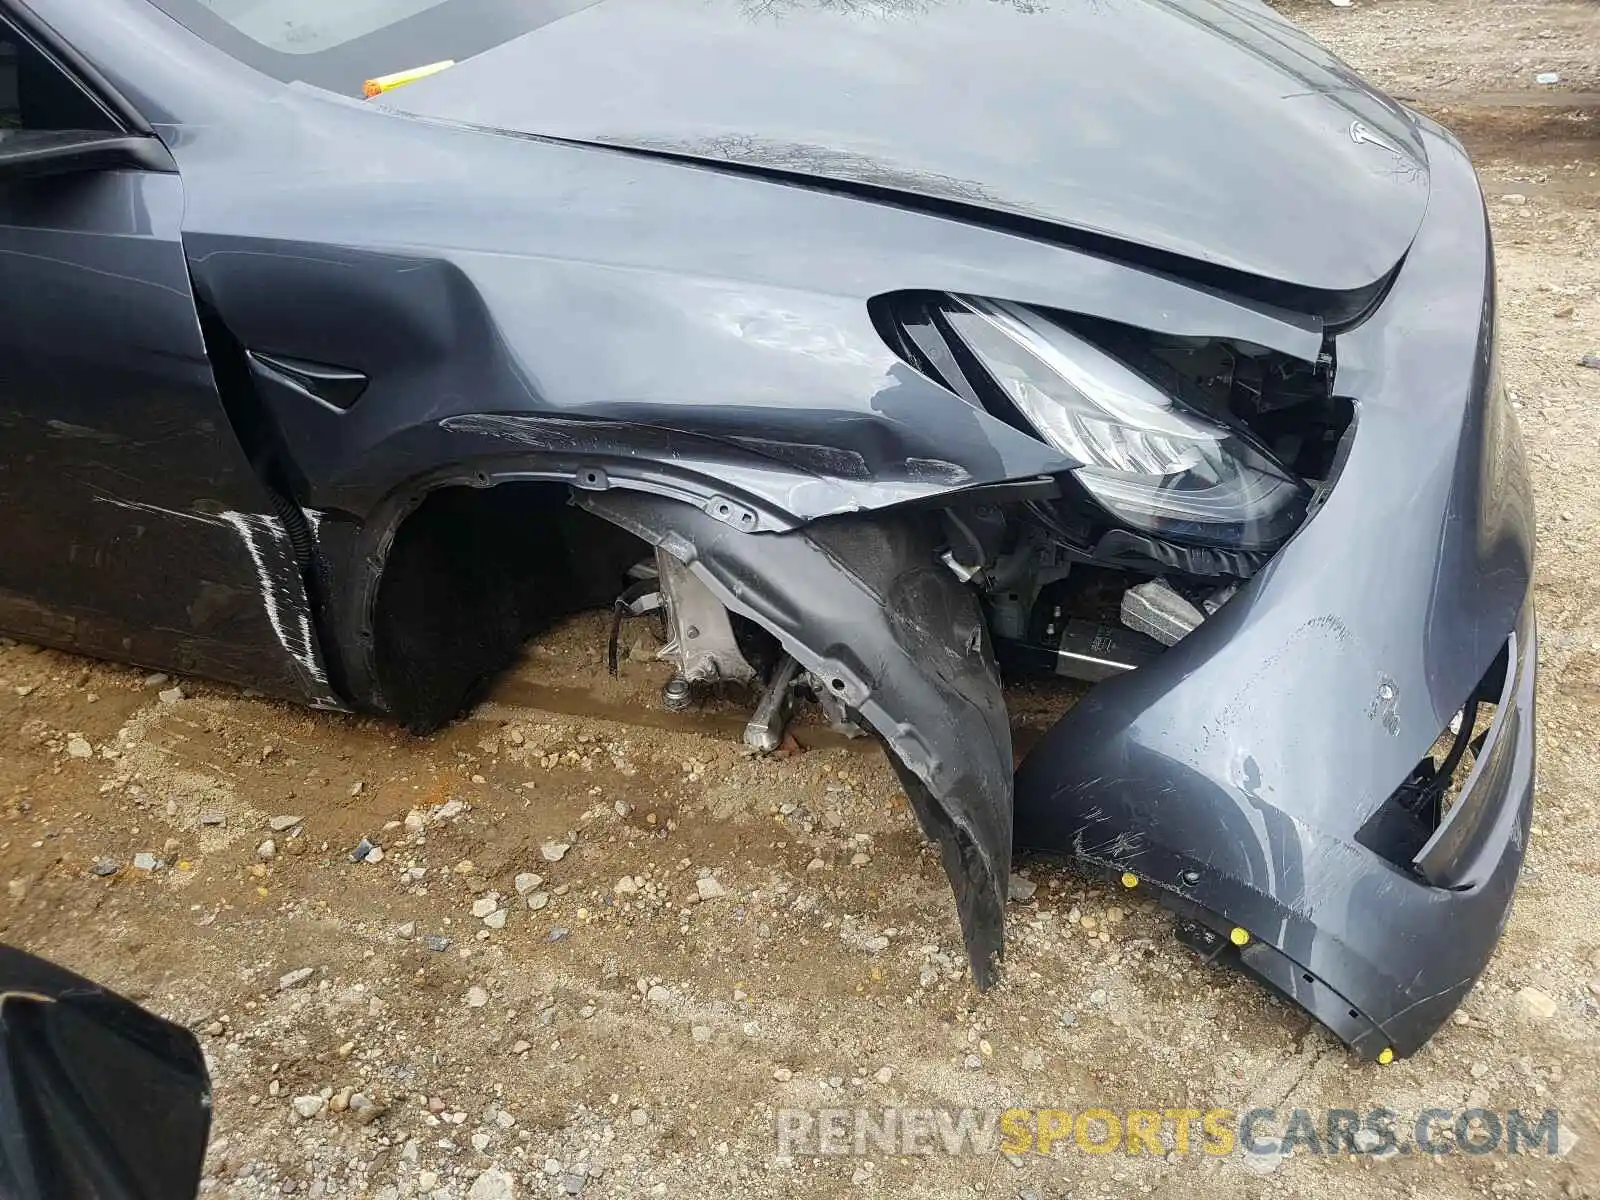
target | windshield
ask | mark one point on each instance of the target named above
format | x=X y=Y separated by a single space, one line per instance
x=340 y=44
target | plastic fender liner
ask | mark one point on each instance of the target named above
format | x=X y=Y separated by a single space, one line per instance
x=862 y=602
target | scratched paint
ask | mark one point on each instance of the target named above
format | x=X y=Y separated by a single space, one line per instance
x=1385 y=705
x=289 y=620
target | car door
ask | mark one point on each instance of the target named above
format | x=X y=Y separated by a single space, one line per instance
x=132 y=524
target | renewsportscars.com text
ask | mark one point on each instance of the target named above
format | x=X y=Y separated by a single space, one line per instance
x=865 y=1132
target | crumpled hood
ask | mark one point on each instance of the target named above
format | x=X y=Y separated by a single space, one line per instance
x=1213 y=130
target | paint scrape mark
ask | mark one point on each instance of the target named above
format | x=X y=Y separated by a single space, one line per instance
x=290 y=622
x=1385 y=705
x=158 y=511
x=936 y=470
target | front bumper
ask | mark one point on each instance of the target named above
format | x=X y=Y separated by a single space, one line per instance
x=1233 y=775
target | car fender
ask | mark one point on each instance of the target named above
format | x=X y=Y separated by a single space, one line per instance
x=863 y=603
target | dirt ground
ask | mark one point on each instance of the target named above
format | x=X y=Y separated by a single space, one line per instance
x=620 y=1036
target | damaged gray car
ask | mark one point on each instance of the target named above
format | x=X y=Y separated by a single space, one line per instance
x=887 y=350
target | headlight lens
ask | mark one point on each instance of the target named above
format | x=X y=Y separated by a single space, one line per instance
x=1155 y=466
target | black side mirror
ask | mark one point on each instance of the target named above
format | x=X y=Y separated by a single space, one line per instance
x=98 y=1098
x=30 y=153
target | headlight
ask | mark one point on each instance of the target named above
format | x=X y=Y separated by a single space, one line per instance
x=1155 y=466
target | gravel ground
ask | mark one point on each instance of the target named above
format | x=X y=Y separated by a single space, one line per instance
x=601 y=946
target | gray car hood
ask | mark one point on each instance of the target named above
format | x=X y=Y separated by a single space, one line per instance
x=1211 y=130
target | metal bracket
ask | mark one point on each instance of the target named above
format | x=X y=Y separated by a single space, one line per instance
x=836 y=710
x=764 y=732
x=700 y=639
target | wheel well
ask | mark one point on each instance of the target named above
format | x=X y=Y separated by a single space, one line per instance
x=471 y=574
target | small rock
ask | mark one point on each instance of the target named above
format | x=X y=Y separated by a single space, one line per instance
x=363 y=848
x=427 y=1181
x=374 y=856
x=1479 y=1070
x=521 y=1047
x=496 y=919
x=553 y=1167
x=171 y=695
x=884 y=1075
x=436 y=943
x=155 y=681
x=572 y=1184
x=1022 y=888
x=626 y=886
x=281 y=823
x=1592 y=361
x=78 y=747
x=538 y=900
x=639 y=1118
x=105 y=866
x=1098 y=997
x=701 y=1033
x=1260 y=1164
x=294 y=978
x=145 y=861
x=783 y=1074
x=1536 y=1005
x=1514 y=198
x=476 y=997
x=972 y=1062
x=709 y=888
x=267 y=849
x=339 y=1101
x=480 y=1141
x=1547 y=77
x=875 y=944
x=860 y=858
x=482 y=908
x=213 y=818
x=587 y=1011
x=406 y=929
x=307 y=1107
x=659 y=995
x=527 y=881
x=554 y=851
x=493 y=1184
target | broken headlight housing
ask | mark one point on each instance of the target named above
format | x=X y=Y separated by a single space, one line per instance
x=1151 y=463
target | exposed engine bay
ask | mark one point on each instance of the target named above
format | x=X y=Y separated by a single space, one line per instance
x=1068 y=587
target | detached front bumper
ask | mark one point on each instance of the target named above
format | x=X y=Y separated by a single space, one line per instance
x=1235 y=776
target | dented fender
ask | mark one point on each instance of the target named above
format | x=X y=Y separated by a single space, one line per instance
x=864 y=604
